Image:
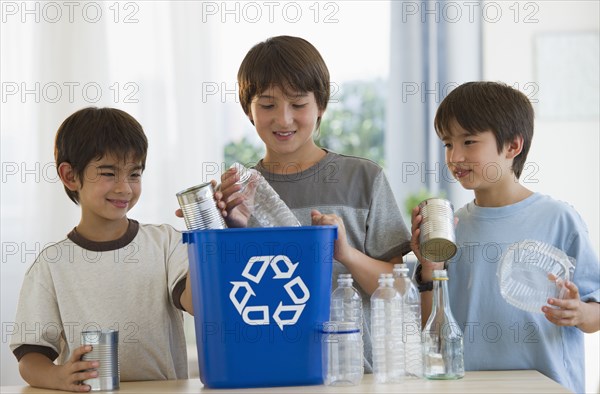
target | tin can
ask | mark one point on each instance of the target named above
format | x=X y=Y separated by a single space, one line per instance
x=437 y=239
x=199 y=208
x=105 y=350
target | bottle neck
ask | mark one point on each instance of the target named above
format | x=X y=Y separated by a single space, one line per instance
x=440 y=295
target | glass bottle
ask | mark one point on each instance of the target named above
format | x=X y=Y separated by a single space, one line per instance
x=411 y=321
x=386 y=326
x=442 y=337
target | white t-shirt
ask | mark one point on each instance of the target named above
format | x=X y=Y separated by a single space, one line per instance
x=125 y=284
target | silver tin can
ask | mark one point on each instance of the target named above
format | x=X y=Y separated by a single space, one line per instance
x=437 y=239
x=105 y=350
x=199 y=208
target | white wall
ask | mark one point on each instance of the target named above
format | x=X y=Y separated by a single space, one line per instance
x=564 y=159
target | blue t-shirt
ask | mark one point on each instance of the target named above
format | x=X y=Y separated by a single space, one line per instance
x=497 y=335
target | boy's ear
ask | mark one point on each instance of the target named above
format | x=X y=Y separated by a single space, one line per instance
x=67 y=176
x=514 y=148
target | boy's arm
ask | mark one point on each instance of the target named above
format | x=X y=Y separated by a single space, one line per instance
x=186 y=296
x=590 y=317
x=365 y=270
x=39 y=371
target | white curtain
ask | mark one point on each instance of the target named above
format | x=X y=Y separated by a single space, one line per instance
x=147 y=58
x=432 y=51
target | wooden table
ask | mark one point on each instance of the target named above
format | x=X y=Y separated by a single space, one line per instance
x=473 y=382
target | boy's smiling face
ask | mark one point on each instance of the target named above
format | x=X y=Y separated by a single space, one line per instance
x=285 y=122
x=110 y=188
x=473 y=159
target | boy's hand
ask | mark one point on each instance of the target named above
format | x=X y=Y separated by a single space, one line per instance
x=232 y=206
x=71 y=373
x=342 y=247
x=569 y=311
x=428 y=266
x=179 y=212
x=415 y=221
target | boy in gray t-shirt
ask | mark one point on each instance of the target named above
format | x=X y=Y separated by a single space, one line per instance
x=284 y=88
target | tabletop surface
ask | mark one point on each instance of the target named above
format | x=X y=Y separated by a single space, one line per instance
x=473 y=382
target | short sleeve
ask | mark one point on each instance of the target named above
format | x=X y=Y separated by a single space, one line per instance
x=177 y=263
x=587 y=265
x=38 y=322
x=387 y=234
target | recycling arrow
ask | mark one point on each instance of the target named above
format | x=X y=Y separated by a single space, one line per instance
x=297 y=309
x=297 y=281
x=290 y=267
x=257 y=259
x=239 y=305
x=264 y=309
x=283 y=268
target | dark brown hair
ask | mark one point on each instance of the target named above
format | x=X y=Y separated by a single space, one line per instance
x=91 y=133
x=489 y=106
x=291 y=63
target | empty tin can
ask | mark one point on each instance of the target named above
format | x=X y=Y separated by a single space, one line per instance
x=437 y=239
x=105 y=349
x=199 y=208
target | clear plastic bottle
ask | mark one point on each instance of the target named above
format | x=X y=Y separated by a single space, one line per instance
x=346 y=302
x=266 y=206
x=411 y=321
x=386 y=335
x=342 y=353
x=442 y=337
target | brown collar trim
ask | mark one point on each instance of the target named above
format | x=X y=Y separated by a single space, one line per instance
x=105 y=246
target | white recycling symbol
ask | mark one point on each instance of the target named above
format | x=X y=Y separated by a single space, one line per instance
x=242 y=291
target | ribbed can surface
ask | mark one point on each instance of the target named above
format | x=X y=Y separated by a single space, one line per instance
x=437 y=239
x=105 y=349
x=199 y=208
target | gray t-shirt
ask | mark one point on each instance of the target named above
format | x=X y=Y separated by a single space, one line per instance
x=356 y=190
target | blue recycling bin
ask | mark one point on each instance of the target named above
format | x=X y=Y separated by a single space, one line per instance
x=261 y=296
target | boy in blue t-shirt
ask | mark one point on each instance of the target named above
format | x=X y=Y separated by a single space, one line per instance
x=486 y=128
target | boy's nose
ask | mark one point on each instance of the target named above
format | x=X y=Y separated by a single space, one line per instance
x=455 y=155
x=122 y=185
x=285 y=116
